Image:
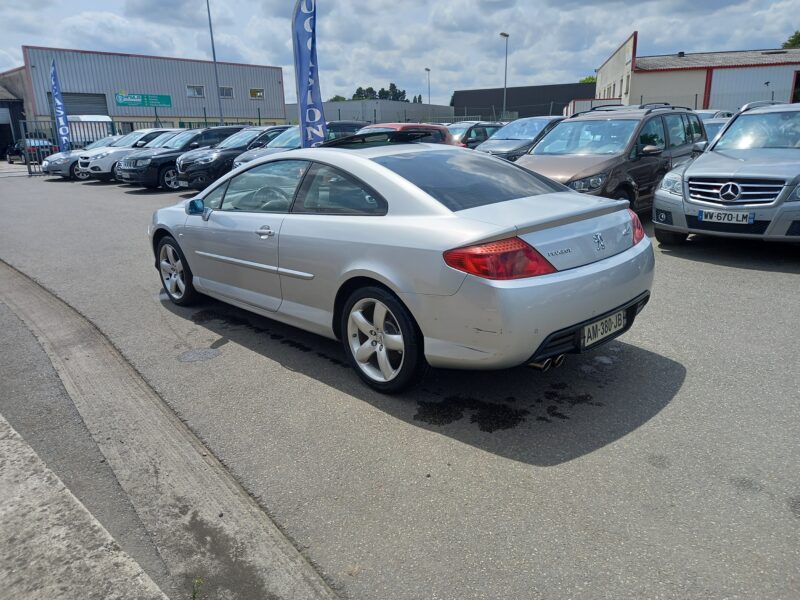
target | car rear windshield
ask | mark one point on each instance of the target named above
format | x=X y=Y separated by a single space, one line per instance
x=521 y=129
x=591 y=136
x=462 y=179
x=765 y=130
x=288 y=139
x=240 y=139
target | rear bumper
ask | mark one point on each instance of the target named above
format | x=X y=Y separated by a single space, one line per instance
x=499 y=324
x=776 y=223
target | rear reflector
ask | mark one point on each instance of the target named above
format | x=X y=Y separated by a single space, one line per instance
x=511 y=258
x=638 y=230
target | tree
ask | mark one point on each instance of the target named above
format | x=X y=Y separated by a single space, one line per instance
x=588 y=79
x=337 y=98
x=793 y=41
x=383 y=94
x=359 y=94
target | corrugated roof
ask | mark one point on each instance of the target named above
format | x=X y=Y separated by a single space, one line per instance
x=6 y=95
x=702 y=60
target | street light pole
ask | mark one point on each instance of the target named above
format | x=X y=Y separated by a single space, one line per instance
x=214 y=57
x=429 y=92
x=505 y=76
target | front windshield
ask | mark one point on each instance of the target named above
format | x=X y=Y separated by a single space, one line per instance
x=608 y=136
x=458 y=130
x=128 y=140
x=288 y=139
x=521 y=129
x=179 y=140
x=160 y=140
x=240 y=139
x=100 y=143
x=765 y=130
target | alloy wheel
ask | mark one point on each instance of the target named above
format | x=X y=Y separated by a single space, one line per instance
x=172 y=272
x=375 y=339
x=171 y=179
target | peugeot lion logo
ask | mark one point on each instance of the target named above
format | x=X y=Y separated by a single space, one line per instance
x=730 y=192
x=597 y=238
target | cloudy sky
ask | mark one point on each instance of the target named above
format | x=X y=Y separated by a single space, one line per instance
x=372 y=42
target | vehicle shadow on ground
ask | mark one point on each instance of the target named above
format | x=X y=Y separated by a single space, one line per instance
x=756 y=255
x=143 y=191
x=533 y=417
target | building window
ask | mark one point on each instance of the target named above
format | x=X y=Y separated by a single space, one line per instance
x=628 y=84
x=614 y=90
x=256 y=93
x=225 y=91
x=196 y=91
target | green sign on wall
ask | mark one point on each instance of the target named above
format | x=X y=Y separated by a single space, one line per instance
x=143 y=100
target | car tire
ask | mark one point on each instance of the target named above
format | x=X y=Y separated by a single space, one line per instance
x=77 y=175
x=367 y=338
x=176 y=276
x=670 y=238
x=168 y=178
x=624 y=194
x=114 y=171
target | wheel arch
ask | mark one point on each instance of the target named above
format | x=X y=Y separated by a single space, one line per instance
x=357 y=281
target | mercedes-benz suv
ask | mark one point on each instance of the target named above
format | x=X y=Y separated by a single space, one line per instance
x=746 y=184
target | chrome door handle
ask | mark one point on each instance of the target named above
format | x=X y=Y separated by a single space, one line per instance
x=264 y=232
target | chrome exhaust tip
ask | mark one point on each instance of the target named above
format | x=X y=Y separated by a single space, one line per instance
x=559 y=360
x=542 y=366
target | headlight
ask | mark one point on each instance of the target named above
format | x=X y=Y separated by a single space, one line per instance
x=205 y=160
x=673 y=184
x=56 y=161
x=588 y=183
x=142 y=162
x=100 y=156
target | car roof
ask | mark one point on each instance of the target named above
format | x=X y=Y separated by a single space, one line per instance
x=775 y=108
x=400 y=126
x=626 y=112
x=371 y=152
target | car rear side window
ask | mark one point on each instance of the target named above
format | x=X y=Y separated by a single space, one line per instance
x=676 y=130
x=462 y=179
x=694 y=127
x=329 y=191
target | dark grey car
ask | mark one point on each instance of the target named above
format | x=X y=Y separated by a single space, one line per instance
x=518 y=137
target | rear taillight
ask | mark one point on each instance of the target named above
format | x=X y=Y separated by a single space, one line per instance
x=638 y=230
x=511 y=258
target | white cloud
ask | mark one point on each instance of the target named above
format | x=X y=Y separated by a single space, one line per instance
x=373 y=43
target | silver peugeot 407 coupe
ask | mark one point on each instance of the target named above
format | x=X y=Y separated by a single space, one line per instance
x=746 y=184
x=411 y=254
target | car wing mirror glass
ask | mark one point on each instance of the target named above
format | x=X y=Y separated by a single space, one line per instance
x=195 y=206
x=700 y=147
x=194 y=145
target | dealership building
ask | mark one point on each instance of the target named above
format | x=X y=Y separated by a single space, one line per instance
x=134 y=88
x=719 y=80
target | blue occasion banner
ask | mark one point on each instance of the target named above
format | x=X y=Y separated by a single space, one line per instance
x=313 y=130
x=62 y=123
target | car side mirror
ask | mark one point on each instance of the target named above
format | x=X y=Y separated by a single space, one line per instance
x=651 y=150
x=699 y=147
x=194 y=145
x=256 y=144
x=195 y=206
x=139 y=144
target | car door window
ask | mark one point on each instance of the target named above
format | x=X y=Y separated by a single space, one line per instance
x=490 y=131
x=266 y=188
x=150 y=137
x=676 y=130
x=652 y=134
x=327 y=190
x=694 y=127
x=214 y=198
x=478 y=134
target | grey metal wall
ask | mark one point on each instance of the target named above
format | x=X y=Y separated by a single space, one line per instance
x=528 y=101
x=96 y=72
x=380 y=111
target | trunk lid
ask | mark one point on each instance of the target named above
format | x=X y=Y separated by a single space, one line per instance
x=569 y=229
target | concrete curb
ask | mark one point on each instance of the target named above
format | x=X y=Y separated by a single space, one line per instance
x=202 y=522
x=51 y=546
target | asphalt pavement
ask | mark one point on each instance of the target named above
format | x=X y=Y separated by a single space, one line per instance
x=663 y=465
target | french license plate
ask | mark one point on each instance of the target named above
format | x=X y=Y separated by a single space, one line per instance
x=599 y=330
x=183 y=184
x=734 y=218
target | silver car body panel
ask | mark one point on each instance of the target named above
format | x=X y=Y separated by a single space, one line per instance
x=294 y=275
